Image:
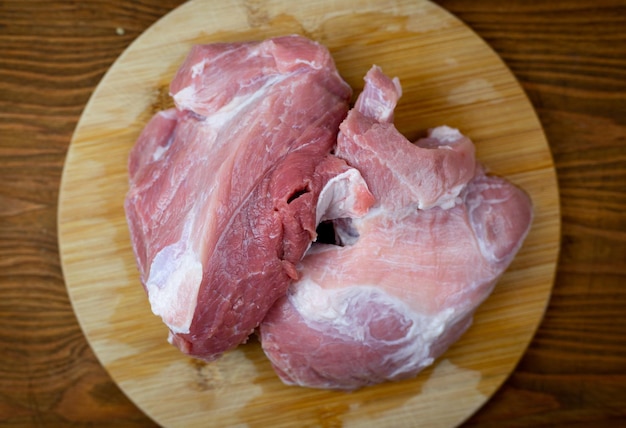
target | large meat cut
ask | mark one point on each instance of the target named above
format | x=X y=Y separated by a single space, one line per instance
x=224 y=187
x=406 y=278
x=228 y=190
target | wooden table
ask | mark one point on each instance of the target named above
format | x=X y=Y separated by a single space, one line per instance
x=570 y=57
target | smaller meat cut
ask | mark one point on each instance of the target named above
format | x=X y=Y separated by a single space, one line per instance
x=224 y=188
x=407 y=277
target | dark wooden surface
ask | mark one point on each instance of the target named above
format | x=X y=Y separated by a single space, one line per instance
x=570 y=57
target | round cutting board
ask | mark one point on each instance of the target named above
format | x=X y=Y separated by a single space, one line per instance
x=449 y=76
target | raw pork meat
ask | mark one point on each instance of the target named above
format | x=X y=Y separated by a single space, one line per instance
x=224 y=188
x=405 y=282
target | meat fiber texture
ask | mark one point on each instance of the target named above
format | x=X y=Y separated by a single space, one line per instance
x=404 y=282
x=224 y=187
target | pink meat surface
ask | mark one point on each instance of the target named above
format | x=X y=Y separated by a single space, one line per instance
x=224 y=188
x=405 y=282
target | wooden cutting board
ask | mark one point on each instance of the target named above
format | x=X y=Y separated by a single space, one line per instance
x=449 y=76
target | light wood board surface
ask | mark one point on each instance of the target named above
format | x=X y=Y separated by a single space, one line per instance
x=449 y=76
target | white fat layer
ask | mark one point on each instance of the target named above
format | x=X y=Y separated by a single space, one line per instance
x=186 y=98
x=159 y=152
x=168 y=114
x=234 y=108
x=329 y=309
x=445 y=134
x=446 y=200
x=174 y=282
x=315 y=65
x=338 y=198
x=197 y=68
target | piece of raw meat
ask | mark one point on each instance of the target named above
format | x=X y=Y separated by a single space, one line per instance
x=408 y=276
x=224 y=188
